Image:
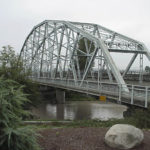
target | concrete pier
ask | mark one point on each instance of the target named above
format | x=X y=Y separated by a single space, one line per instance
x=60 y=96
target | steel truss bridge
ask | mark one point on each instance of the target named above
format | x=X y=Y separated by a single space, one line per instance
x=76 y=56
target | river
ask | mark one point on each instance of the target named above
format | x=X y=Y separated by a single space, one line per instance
x=78 y=110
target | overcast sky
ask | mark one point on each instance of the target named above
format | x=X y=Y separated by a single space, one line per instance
x=129 y=17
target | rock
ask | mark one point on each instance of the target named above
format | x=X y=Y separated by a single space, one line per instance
x=123 y=136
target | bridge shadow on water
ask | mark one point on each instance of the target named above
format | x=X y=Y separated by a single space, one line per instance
x=79 y=110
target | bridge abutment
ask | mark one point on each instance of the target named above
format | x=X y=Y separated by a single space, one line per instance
x=60 y=96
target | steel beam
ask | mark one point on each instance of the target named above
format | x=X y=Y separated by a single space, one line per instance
x=89 y=65
x=58 y=55
x=43 y=48
x=113 y=67
x=130 y=64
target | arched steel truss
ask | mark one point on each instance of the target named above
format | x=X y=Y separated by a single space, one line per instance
x=52 y=50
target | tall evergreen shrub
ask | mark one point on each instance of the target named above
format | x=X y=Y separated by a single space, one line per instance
x=13 y=135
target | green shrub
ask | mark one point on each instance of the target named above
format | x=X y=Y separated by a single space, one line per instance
x=141 y=118
x=20 y=138
x=12 y=135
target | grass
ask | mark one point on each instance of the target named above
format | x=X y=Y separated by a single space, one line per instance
x=84 y=123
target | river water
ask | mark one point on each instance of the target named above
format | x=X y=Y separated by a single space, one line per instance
x=78 y=110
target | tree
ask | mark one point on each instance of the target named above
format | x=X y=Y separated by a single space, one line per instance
x=83 y=59
x=11 y=68
x=147 y=69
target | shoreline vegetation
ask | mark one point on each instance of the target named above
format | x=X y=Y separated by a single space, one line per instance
x=42 y=124
x=75 y=96
x=138 y=117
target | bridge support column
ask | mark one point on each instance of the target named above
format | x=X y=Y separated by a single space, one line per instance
x=60 y=96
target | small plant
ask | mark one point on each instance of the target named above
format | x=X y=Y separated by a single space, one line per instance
x=57 y=133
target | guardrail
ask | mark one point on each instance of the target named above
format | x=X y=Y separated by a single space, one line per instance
x=137 y=95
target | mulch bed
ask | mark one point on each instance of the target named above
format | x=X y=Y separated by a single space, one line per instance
x=81 y=139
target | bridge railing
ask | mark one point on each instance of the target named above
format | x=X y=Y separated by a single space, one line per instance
x=137 y=95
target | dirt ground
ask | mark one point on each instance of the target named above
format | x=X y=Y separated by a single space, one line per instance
x=81 y=139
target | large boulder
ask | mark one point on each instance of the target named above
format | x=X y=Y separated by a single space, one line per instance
x=123 y=136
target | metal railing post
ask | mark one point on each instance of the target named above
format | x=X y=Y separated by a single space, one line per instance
x=132 y=94
x=120 y=89
x=146 y=96
x=100 y=88
x=87 y=86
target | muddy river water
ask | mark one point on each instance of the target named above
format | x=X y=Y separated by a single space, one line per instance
x=77 y=110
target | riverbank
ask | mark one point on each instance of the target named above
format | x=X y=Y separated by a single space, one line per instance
x=83 y=138
x=87 y=134
x=51 y=124
x=75 y=96
x=137 y=117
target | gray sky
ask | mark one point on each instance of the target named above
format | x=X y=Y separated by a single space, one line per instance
x=129 y=17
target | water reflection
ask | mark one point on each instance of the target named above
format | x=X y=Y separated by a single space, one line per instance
x=78 y=110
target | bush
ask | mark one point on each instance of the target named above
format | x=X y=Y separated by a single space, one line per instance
x=12 y=135
x=20 y=138
x=141 y=118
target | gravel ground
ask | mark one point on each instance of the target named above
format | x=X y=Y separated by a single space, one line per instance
x=81 y=139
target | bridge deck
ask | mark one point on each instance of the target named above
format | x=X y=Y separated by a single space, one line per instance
x=137 y=95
